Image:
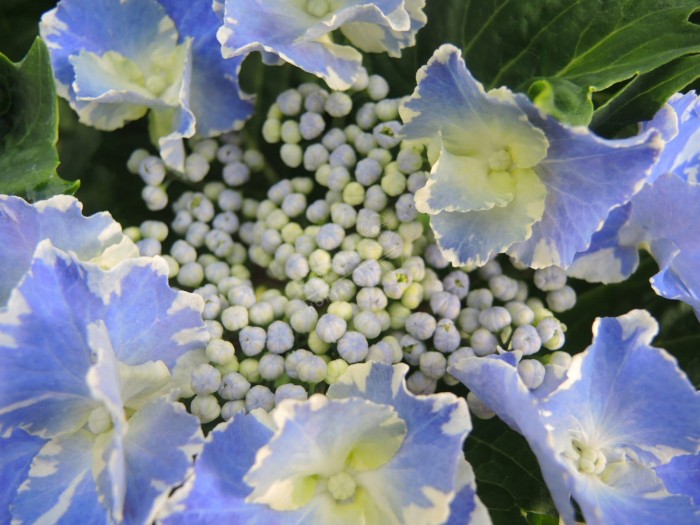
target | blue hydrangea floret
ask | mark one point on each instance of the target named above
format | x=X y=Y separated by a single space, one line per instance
x=507 y=177
x=600 y=433
x=117 y=60
x=91 y=361
x=357 y=455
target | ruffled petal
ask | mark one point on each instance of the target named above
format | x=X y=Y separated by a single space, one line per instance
x=436 y=425
x=96 y=238
x=665 y=216
x=682 y=152
x=450 y=103
x=216 y=100
x=607 y=260
x=476 y=236
x=136 y=29
x=147 y=320
x=302 y=37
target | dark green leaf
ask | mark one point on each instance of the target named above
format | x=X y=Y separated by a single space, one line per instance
x=29 y=127
x=508 y=476
x=643 y=97
x=588 y=42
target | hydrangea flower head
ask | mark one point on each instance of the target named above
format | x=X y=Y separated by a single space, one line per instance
x=509 y=178
x=662 y=217
x=599 y=435
x=98 y=238
x=298 y=32
x=115 y=61
x=370 y=453
x=88 y=362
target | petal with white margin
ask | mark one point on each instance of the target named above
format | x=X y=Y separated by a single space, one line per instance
x=474 y=237
x=60 y=487
x=45 y=355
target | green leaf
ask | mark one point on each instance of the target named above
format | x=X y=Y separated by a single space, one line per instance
x=563 y=99
x=589 y=43
x=643 y=97
x=508 y=478
x=29 y=127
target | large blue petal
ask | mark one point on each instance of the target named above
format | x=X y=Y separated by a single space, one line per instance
x=216 y=493
x=682 y=152
x=147 y=320
x=44 y=351
x=585 y=177
x=60 y=487
x=611 y=396
x=18 y=451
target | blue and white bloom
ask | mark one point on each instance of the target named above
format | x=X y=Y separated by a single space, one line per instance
x=664 y=217
x=509 y=178
x=116 y=60
x=97 y=239
x=599 y=435
x=370 y=452
x=89 y=362
x=299 y=32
